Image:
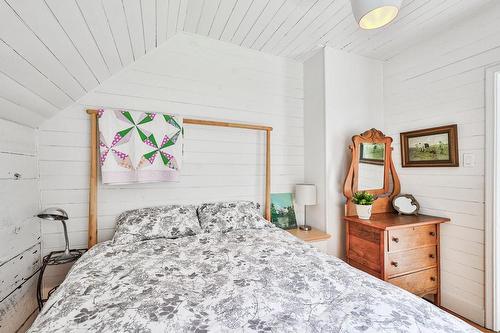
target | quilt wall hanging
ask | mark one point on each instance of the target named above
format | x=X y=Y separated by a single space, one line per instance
x=139 y=147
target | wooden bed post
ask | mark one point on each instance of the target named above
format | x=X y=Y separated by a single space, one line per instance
x=92 y=239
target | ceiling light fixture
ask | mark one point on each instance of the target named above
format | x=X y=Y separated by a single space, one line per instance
x=373 y=14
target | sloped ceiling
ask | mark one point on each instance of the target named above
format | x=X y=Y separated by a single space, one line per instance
x=52 y=52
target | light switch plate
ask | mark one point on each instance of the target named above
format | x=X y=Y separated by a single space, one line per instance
x=469 y=160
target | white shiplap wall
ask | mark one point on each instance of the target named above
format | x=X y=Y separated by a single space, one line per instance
x=195 y=77
x=19 y=230
x=440 y=82
x=343 y=97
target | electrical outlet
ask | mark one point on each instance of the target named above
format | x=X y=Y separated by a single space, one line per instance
x=468 y=160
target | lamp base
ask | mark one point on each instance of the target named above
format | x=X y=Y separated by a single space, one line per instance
x=305 y=227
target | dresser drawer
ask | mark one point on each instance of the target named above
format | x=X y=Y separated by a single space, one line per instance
x=401 y=262
x=364 y=246
x=409 y=238
x=419 y=283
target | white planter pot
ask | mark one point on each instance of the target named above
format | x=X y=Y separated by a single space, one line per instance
x=364 y=211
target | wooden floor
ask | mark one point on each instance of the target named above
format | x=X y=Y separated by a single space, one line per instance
x=482 y=329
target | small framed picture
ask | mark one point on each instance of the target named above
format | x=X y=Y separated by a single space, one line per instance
x=372 y=153
x=432 y=147
x=282 y=211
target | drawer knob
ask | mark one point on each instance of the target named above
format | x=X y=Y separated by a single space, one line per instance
x=395 y=239
x=432 y=233
x=433 y=278
x=431 y=256
x=394 y=263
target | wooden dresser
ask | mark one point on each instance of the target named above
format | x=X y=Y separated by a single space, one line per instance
x=400 y=249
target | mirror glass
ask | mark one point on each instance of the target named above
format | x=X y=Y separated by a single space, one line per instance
x=371 y=166
x=405 y=205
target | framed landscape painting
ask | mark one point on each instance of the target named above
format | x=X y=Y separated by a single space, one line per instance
x=432 y=147
x=282 y=211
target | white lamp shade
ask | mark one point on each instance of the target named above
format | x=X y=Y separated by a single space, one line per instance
x=373 y=14
x=305 y=194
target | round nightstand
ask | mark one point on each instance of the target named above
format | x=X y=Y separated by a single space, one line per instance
x=52 y=259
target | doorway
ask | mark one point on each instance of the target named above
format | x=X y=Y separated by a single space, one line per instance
x=492 y=199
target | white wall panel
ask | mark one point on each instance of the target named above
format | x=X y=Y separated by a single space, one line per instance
x=19 y=230
x=440 y=82
x=343 y=97
x=195 y=77
x=353 y=104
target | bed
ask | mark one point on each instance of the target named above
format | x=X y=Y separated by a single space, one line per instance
x=258 y=279
x=221 y=267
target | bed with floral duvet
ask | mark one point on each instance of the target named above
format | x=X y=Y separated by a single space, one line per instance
x=222 y=268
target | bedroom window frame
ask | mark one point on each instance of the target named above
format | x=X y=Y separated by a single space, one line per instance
x=492 y=198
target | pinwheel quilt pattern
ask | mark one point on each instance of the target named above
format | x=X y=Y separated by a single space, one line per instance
x=139 y=147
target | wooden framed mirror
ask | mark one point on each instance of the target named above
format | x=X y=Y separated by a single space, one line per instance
x=372 y=170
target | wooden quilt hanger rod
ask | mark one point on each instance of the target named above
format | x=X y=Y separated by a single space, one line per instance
x=92 y=237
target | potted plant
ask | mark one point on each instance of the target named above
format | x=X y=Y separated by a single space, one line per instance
x=364 y=201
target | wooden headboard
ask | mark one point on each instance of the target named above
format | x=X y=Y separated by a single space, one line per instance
x=94 y=134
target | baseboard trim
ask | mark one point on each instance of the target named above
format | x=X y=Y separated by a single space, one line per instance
x=479 y=327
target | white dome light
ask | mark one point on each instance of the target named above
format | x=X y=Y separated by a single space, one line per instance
x=373 y=14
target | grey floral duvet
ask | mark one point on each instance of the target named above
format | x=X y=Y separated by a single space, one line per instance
x=258 y=280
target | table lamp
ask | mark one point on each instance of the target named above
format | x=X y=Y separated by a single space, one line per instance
x=305 y=194
x=58 y=214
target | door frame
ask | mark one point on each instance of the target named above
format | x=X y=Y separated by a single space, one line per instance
x=492 y=198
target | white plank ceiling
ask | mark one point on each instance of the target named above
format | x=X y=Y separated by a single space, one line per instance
x=52 y=52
